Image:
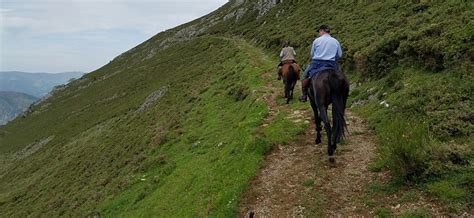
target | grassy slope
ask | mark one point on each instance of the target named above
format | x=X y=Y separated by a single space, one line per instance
x=115 y=161
x=102 y=149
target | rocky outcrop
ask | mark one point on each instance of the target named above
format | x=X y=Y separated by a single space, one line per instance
x=152 y=98
x=238 y=2
x=263 y=6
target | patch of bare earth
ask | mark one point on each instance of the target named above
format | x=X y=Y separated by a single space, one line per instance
x=296 y=179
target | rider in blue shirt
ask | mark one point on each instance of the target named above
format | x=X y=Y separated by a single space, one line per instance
x=325 y=52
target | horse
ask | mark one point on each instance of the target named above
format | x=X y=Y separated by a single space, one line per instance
x=291 y=74
x=329 y=87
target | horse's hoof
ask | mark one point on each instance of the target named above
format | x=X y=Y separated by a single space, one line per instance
x=318 y=141
x=251 y=214
x=332 y=160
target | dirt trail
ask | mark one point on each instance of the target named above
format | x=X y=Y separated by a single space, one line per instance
x=297 y=180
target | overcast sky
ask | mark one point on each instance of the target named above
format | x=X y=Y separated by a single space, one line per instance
x=83 y=35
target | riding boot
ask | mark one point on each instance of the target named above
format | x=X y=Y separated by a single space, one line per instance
x=304 y=90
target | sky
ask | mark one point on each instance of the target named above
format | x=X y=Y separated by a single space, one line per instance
x=82 y=35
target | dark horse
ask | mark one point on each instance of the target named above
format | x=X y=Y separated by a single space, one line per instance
x=329 y=87
x=290 y=74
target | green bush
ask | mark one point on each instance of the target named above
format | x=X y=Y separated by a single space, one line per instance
x=405 y=148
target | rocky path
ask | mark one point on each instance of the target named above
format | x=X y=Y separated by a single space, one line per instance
x=296 y=179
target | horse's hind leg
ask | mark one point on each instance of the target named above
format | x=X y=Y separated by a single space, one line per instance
x=287 y=93
x=317 y=120
x=292 y=89
x=290 y=94
x=327 y=127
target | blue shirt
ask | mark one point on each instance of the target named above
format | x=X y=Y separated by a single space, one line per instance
x=326 y=48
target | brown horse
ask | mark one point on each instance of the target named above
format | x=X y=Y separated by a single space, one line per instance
x=329 y=87
x=291 y=74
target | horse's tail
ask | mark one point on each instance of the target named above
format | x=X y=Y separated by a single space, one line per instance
x=291 y=74
x=338 y=105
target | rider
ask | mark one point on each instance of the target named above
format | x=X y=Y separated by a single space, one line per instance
x=287 y=55
x=325 y=52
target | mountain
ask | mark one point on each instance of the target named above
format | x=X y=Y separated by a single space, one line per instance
x=176 y=126
x=35 y=84
x=13 y=104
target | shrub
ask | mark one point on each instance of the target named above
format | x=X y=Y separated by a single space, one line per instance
x=405 y=148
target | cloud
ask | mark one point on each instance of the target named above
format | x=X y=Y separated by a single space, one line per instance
x=87 y=27
x=5 y=10
x=53 y=16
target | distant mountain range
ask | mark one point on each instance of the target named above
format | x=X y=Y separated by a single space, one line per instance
x=18 y=90
x=13 y=104
x=35 y=84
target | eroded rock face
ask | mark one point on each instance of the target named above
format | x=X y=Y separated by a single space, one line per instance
x=152 y=98
x=238 y=14
x=188 y=32
x=239 y=2
x=263 y=6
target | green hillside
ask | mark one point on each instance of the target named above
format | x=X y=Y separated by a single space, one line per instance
x=171 y=126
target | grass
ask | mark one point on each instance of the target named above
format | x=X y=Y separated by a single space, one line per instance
x=382 y=212
x=446 y=190
x=454 y=188
x=282 y=129
x=418 y=213
x=421 y=95
x=368 y=201
x=409 y=196
x=308 y=182
x=384 y=189
x=376 y=166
